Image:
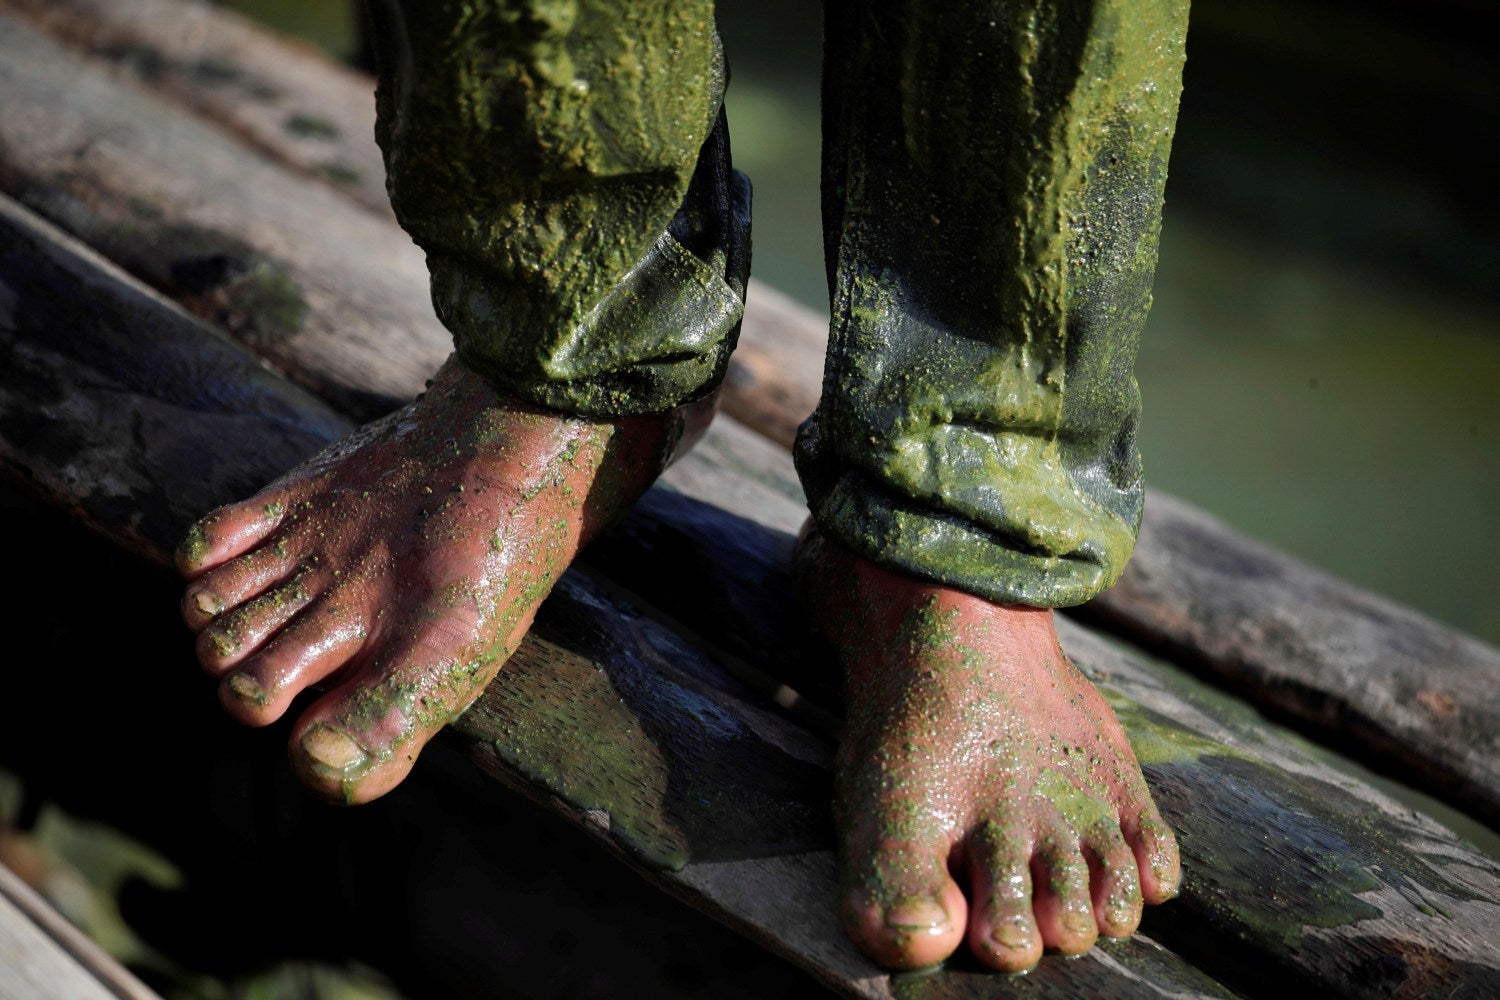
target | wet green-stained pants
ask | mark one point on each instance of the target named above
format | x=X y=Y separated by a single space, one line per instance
x=992 y=190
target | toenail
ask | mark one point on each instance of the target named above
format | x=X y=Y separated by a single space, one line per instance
x=245 y=689
x=194 y=546
x=1077 y=922
x=1014 y=936
x=333 y=748
x=224 y=642
x=209 y=604
x=919 y=912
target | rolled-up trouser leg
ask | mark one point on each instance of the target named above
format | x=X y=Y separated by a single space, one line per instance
x=992 y=189
x=566 y=168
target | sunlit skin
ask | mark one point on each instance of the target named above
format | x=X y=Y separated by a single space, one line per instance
x=976 y=756
x=398 y=570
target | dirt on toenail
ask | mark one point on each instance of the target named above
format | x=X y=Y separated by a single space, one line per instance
x=916 y=913
x=332 y=748
x=245 y=689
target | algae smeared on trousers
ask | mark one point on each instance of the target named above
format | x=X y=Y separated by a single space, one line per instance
x=993 y=178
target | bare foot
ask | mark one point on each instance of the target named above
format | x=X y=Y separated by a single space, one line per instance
x=401 y=567
x=974 y=749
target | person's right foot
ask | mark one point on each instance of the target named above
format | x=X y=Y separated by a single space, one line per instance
x=401 y=568
x=973 y=749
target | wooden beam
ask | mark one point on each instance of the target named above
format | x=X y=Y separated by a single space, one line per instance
x=276 y=94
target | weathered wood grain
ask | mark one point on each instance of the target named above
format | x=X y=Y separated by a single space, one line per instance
x=284 y=262
x=1360 y=671
x=685 y=773
x=278 y=95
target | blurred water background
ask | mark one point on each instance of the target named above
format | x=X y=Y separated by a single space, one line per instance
x=1322 y=365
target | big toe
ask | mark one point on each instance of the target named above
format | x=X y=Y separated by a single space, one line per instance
x=350 y=754
x=361 y=739
x=900 y=905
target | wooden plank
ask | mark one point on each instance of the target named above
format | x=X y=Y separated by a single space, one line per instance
x=1409 y=693
x=282 y=261
x=43 y=957
x=1309 y=877
x=278 y=95
x=698 y=742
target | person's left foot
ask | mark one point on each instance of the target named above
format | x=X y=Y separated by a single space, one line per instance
x=973 y=750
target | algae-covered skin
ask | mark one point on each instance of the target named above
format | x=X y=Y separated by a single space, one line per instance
x=404 y=563
x=565 y=165
x=975 y=754
x=993 y=178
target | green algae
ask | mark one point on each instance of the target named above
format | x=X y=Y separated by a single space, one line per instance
x=1285 y=852
x=587 y=239
x=217 y=275
x=193 y=548
x=265 y=305
x=991 y=262
x=215 y=72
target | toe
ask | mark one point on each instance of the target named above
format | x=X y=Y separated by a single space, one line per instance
x=229 y=532
x=1002 y=930
x=1064 y=911
x=236 y=635
x=1155 y=850
x=361 y=739
x=235 y=582
x=899 y=903
x=358 y=742
x=320 y=641
x=1116 y=886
